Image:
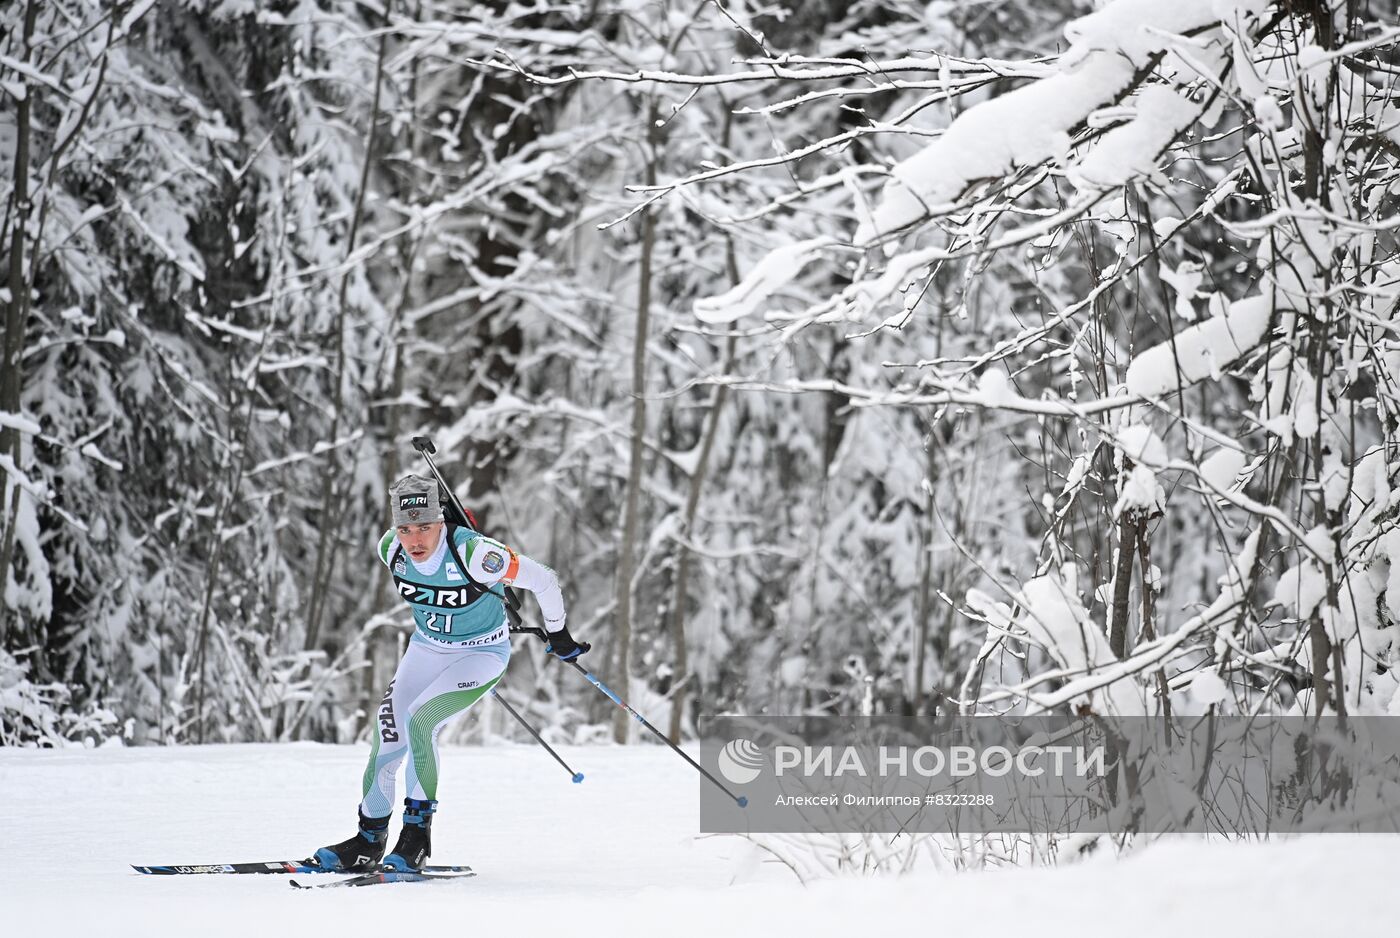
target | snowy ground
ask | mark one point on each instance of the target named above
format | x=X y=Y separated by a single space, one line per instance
x=616 y=856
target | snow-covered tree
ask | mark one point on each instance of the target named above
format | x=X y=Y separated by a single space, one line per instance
x=1178 y=231
x=841 y=357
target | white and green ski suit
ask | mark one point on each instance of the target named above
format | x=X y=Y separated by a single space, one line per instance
x=459 y=650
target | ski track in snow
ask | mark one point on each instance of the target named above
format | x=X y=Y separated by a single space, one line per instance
x=616 y=856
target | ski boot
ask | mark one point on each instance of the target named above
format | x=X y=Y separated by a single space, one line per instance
x=415 y=840
x=359 y=854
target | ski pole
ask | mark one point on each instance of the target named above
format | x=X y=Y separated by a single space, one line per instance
x=424 y=445
x=576 y=776
x=740 y=800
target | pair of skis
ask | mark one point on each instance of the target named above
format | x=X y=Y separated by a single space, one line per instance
x=372 y=878
x=387 y=875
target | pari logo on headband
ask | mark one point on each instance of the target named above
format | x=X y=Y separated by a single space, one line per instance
x=415 y=500
x=413 y=507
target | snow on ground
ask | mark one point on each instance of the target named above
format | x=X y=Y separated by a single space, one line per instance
x=617 y=856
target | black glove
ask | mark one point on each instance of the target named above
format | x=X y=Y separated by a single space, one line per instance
x=562 y=645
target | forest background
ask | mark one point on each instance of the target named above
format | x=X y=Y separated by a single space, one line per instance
x=872 y=357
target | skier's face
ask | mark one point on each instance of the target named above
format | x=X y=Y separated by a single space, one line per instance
x=420 y=540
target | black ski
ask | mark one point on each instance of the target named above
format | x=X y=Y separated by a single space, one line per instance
x=275 y=866
x=427 y=875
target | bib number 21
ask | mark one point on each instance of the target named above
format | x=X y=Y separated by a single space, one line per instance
x=439 y=622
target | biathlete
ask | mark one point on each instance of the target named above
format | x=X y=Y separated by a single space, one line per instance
x=454 y=579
